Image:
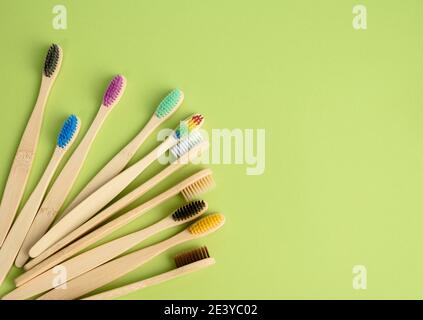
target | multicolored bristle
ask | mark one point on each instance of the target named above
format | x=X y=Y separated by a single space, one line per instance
x=190 y=211
x=114 y=91
x=191 y=256
x=68 y=132
x=198 y=187
x=185 y=145
x=170 y=103
x=189 y=125
x=208 y=224
x=52 y=60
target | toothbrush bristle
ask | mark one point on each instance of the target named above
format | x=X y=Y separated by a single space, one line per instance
x=169 y=104
x=198 y=187
x=185 y=145
x=114 y=91
x=189 y=125
x=191 y=256
x=68 y=132
x=52 y=60
x=207 y=224
x=190 y=210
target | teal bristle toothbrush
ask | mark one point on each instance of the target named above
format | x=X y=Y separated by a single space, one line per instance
x=25 y=154
x=17 y=233
x=101 y=197
x=64 y=182
x=164 y=110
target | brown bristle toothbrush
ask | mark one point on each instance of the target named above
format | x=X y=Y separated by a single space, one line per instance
x=117 y=268
x=95 y=257
x=186 y=263
x=22 y=164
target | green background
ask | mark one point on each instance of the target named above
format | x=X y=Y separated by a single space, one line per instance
x=342 y=110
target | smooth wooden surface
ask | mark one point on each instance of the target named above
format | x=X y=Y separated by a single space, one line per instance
x=91 y=238
x=61 y=188
x=113 y=270
x=22 y=164
x=17 y=233
x=96 y=201
x=163 y=277
x=116 y=164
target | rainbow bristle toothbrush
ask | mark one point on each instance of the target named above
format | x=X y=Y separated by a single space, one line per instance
x=64 y=182
x=117 y=268
x=17 y=233
x=164 y=110
x=186 y=262
x=95 y=257
x=190 y=189
x=22 y=164
x=101 y=197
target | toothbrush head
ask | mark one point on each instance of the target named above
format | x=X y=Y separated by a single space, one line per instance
x=68 y=132
x=52 y=61
x=202 y=184
x=169 y=104
x=206 y=225
x=190 y=211
x=189 y=125
x=191 y=256
x=187 y=144
x=114 y=91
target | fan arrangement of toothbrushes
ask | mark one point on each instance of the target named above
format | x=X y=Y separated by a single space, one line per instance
x=43 y=234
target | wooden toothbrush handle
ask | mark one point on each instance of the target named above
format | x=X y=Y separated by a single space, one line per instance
x=116 y=165
x=22 y=162
x=53 y=256
x=17 y=233
x=111 y=271
x=163 y=277
x=96 y=201
x=87 y=261
x=60 y=189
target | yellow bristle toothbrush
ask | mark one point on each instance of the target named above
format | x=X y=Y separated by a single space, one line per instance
x=165 y=109
x=64 y=182
x=190 y=188
x=106 y=193
x=95 y=257
x=117 y=268
x=22 y=164
x=17 y=233
x=186 y=263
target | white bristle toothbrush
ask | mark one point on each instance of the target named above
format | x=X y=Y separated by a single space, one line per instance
x=106 y=193
x=17 y=233
x=22 y=164
x=190 y=189
x=186 y=263
x=64 y=182
x=95 y=257
x=117 y=268
x=164 y=110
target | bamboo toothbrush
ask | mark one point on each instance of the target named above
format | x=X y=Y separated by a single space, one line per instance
x=64 y=182
x=190 y=188
x=95 y=257
x=117 y=268
x=101 y=197
x=186 y=263
x=164 y=110
x=17 y=233
x=25 y=154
